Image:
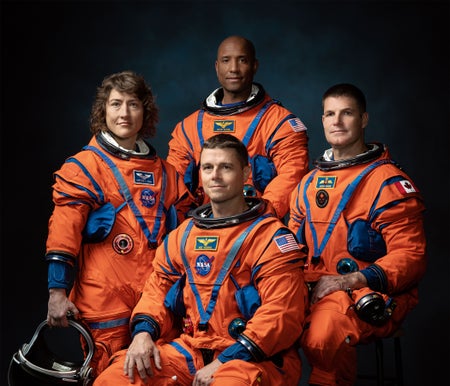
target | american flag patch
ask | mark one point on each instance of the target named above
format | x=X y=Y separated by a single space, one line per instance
x=286 y=243
x=297 y=125
x=405 y=187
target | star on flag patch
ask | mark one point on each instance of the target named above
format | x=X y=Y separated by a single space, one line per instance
x=405 y=187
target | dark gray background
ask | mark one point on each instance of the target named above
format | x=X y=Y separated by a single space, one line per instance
x=54 y=54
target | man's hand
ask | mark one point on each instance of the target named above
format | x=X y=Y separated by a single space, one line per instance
x=204 y=376
x=141 y=349
x=332 y=283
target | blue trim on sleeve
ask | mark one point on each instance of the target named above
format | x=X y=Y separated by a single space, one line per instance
x=143 y=322
x=141 y=326
x=235 y=351
x=60 y=275
x=376 y=278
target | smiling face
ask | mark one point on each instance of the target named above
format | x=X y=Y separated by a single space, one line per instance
x=344 y=125
x=124 y=117
x=223 y=178
x=236 y=66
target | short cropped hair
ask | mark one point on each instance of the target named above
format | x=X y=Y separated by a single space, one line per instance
x=349 y=90
x=228 y=141
x=248 y=44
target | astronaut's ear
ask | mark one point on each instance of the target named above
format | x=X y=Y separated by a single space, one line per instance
x=365 y=119
x=255 y=66
x=247 y=171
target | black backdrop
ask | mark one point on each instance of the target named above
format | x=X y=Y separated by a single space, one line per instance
x=54 y=54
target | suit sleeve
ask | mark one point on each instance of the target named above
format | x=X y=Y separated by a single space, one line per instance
x=277 y=323
x=290 y=156
x=180 y=150
x=400 y=220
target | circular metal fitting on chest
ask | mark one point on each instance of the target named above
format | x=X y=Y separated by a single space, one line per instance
x=346 y=265
x=236 y=327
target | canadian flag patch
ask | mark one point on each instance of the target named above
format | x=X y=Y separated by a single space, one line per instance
x=405 y=187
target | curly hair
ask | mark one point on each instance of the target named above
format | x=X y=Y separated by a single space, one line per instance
x=131 y=83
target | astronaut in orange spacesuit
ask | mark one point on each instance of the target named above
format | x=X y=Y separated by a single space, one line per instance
x=276 y=139
x=233 y=273
x=114 y=201
x=361 y=217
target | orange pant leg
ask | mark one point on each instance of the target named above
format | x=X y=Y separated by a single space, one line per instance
x=235 y=372
x=329 y=340
x=172 y=363
x=332 y=332
x=107 y=342
x=241 y=373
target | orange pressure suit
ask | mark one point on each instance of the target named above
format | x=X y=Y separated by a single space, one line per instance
x=111 y=256
x=243 y=301
x=360 y=214
x=276 y=140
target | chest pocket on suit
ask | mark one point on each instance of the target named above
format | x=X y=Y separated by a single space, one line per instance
x=263 y=171
x=100 y=223
x=365 y=243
